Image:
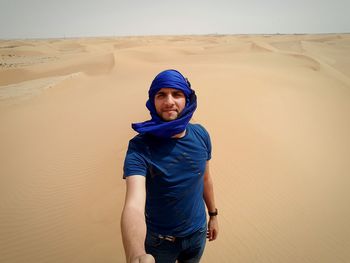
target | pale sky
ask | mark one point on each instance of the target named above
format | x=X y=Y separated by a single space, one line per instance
x=76 y=18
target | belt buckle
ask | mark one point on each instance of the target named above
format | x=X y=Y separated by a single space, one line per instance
x=168 y=238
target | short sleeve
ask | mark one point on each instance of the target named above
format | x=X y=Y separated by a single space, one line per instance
x=206 y=138
x=208 y=144
x=134 y=163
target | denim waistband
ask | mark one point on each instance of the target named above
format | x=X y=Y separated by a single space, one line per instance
x=174 y=238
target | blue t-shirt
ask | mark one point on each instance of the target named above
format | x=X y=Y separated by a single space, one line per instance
x=174 y=170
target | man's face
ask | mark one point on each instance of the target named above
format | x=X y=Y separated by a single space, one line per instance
x=169 y=103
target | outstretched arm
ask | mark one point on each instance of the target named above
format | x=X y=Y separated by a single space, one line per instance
x=133 y=224
x=213 y=227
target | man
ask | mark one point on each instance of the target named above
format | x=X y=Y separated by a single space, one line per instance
x=167 y=178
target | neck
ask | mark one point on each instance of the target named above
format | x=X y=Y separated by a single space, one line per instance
x=179 y=135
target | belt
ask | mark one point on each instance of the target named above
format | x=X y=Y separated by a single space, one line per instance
x=172 y=238
x=168 y=238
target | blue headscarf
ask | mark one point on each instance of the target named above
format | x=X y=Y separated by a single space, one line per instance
x=156 y=126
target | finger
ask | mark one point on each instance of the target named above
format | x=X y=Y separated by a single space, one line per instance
x=214 y=234
x=210 y=235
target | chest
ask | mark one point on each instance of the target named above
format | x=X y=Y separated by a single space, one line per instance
x=174 y=162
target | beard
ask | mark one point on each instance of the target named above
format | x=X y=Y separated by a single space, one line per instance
x=169 y=115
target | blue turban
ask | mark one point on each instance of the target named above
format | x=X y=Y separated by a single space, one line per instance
x=156 y=126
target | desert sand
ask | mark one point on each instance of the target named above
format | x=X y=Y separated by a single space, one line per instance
x=277 y=108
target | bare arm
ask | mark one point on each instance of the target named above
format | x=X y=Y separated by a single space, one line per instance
x=213 y=227
x=133 y=224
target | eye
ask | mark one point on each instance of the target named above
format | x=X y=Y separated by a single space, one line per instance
x=178 y=94
x=159 y=95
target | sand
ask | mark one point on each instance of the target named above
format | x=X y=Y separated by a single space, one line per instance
x=277 y=108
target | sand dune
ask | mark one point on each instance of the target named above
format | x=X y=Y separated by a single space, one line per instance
x=277 y=108
x=92 y=64
x=26 y=89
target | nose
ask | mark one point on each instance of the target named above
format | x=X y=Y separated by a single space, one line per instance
x=169 y=100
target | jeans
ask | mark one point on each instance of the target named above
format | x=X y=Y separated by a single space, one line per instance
x=187 y=249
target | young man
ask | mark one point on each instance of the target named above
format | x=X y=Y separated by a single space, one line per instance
x=167 y=178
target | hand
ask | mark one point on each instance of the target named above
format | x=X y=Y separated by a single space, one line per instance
x=146 y=258
x=213 y=228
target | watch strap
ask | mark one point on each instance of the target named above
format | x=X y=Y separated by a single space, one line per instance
x=215 y=213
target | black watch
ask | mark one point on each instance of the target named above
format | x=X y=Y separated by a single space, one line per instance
x=213 y=213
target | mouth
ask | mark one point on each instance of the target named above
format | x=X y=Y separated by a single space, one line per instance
x=169 y=114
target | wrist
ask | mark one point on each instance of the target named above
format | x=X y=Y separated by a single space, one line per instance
x=213 y=213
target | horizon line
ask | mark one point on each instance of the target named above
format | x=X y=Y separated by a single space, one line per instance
x=172 y=35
